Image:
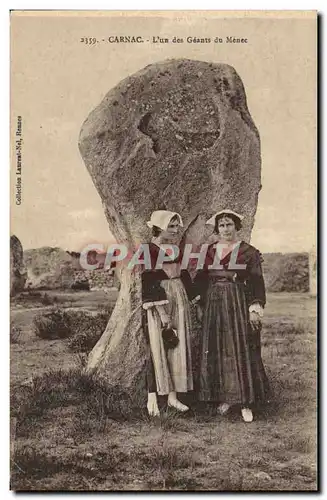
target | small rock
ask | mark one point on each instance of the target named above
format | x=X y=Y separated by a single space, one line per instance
x=262 y=475
x=89 y=455
x=307 y=479
x=29 y=382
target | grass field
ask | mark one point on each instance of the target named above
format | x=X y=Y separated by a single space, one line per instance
x=71 y=433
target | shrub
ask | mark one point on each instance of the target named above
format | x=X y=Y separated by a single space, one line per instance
x=88 y=330
x=34 y=298
x=84 y=341
x=55 y=324
x=93 y=399
x=81 y=285
x=15 y=334
x=286 y=272
x=36 y=468
x=84 y=328
x=48 y=301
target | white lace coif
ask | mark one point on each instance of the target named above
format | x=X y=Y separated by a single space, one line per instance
x=227 y=211
x=161 y=219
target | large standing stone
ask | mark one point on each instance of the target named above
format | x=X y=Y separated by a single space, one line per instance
x=18 y=273
x=176 y=135
x=50 y=268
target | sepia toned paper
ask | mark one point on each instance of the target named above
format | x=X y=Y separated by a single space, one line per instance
x=71 y=432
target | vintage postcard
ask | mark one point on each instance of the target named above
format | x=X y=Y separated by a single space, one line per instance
x=163 y=251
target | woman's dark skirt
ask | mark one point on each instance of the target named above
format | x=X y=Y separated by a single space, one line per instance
x=231 y=368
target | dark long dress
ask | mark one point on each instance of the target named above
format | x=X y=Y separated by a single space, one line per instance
x=231 y=368
x=168 y=370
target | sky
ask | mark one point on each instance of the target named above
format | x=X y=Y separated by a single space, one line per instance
x=56 y=81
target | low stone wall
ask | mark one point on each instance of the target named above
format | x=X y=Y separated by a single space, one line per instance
x=97 y=279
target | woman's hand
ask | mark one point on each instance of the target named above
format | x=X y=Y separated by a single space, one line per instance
x=164 y=317
x=167 y=324
x=255 y=321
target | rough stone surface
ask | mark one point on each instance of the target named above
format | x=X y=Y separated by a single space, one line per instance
x=55 y=268
x=18 y=274
x=49 y=267
x=176 y=135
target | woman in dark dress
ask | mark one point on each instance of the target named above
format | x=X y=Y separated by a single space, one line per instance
x=166 y=294
x=232 y=299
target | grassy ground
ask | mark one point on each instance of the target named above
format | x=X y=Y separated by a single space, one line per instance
x=72 y=433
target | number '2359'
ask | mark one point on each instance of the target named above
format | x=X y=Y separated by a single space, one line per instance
x=88 y=40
